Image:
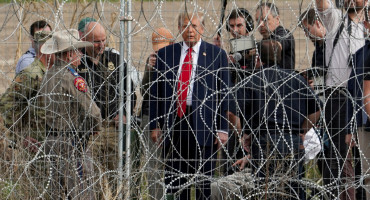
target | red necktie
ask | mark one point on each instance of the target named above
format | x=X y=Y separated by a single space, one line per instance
x=184 y=81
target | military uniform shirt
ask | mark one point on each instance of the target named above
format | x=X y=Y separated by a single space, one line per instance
x=103 y=79
x=68 y=109
x=20 y=106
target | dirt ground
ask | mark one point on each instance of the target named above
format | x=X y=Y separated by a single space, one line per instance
x=16 y=19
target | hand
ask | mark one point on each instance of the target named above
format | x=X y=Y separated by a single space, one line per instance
x=350 y=141
x=231 y=59
x=217 y=41
x=152 y=60
x=222 y=137
x=31 y=143
x=156 y=135
x=311 y=83
x=242 y=162
x=246 y=142
x=116 y=120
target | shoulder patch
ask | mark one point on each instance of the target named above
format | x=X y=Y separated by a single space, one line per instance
x=80 y=84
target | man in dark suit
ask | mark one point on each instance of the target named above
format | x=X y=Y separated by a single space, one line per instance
x=188 y=108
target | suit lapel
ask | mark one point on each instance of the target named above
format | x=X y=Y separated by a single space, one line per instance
x=176 y=57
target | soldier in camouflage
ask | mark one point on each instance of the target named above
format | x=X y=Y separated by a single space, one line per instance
x=72 y=117
x=19 y=105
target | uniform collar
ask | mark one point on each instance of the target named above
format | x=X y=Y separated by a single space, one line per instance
x=39 y=63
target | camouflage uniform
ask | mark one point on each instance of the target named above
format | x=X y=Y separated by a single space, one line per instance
x=72 y=117
x=19 y=105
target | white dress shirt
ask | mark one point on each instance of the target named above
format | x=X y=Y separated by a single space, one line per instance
x=194 y=55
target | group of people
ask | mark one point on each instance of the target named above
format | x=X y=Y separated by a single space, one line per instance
x=198 y=101
x=63 y=99
x=201 y=97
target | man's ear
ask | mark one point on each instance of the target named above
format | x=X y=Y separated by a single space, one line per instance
x=278 y=18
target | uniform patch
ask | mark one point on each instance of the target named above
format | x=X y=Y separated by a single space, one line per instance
x=80 y=84
x=111 y=66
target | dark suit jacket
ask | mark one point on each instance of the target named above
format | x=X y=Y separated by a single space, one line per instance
x=355 y=107
x=210 y=98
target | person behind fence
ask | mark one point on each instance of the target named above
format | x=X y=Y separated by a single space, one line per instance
x=344 y=36
x=240 y=23
x=364 y=132
x=359 y=90
x=72 y=117
x=100 y=68
x=28 y=57
x=19 y=105
x=269 y=26
x=82 y=25
x=315 y=31
x=277 y=108
x=188 y=106
x=161 y=37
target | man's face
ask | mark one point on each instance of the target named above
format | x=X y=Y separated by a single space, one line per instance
x=315 y=31
x=75 y=57
x=267 y=22
x=98 y=38
x=238 y=28
x=191 y=31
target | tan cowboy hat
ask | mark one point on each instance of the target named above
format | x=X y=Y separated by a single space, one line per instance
x=62 y=41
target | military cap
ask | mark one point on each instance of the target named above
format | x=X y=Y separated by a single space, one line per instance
x=83 y=22
x=42 y=36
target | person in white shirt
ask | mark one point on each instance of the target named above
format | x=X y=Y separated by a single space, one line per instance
x=344 y=36
x=28 y=57
x=188 y=108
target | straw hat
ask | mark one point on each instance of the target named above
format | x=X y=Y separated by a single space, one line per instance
x=62 y=41
x=161 y=37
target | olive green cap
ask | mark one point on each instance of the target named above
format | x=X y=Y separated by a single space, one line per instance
x=83 y=22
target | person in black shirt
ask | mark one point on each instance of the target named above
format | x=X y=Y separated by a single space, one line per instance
x=100 y=68
x=240 y=23
x=278 y=108
x=268 y=20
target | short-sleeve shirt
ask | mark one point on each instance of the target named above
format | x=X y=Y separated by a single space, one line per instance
x=104 y=81
x=340 y=67
x=25 y=60
x=276 y=100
